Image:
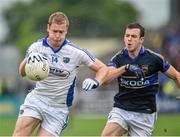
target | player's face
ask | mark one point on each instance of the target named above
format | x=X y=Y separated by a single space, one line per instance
x=57 y=34
x=132 y=40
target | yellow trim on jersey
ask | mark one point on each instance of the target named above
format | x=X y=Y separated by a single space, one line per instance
x=118 y=53
x=159 y=55
x=135 y=76
x=128 y=77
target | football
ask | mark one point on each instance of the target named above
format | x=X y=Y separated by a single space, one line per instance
x=37 y=67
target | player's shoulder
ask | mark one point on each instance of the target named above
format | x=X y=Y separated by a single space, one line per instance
x=35 y=46
x=78 y=51
x=72 y=45
x=121 y=53
x=154 y=54
x=75 y=48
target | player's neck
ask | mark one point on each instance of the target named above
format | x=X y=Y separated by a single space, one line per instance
x=135 y=53
x=54 y=45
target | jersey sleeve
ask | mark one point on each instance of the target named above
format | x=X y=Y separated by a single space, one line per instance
x=164 y=64
x=86 y=57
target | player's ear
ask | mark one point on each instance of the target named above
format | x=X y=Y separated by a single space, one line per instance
x=141 y=40
x=48 y=25
x=66 y=30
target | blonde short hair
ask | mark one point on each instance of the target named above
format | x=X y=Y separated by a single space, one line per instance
x=59 y=18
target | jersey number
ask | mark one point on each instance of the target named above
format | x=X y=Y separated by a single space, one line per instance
x=54 y=59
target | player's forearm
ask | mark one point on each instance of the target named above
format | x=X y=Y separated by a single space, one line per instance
x=173 y=74
x=22 y=68
x=113 y=73
x=178 y=79
x=101 y=74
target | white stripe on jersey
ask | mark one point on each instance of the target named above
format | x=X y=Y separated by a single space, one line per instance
x=64 y=63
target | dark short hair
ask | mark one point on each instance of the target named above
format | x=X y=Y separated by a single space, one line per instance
x=136 y=26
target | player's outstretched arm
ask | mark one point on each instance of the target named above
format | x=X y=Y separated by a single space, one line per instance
x=101 y=71
x=22 y=68
x=113 y=73
x=116 y=72
x=173 y=74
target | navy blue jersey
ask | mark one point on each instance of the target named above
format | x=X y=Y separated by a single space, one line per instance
x=134 y=94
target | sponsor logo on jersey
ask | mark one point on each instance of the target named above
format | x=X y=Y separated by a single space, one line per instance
x=59 y=72
x=134 y=83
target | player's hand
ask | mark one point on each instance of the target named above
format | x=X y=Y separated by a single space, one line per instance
x=89 y=84
x=138 y=71
x=32 y=57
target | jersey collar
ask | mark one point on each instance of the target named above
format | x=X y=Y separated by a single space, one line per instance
x=142 y=51
x=46 y=44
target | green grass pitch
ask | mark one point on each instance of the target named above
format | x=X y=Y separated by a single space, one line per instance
x=167 y=125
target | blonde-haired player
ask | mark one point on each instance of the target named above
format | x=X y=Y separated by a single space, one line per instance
x=47 y=104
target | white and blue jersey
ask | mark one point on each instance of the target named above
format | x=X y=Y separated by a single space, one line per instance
x=136 y=94
x=64 y=64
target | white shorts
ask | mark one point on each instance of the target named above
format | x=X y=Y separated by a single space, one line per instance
x=54 y=118
x=137 y=124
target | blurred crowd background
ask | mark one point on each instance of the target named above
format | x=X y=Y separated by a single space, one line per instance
x=97 y=25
